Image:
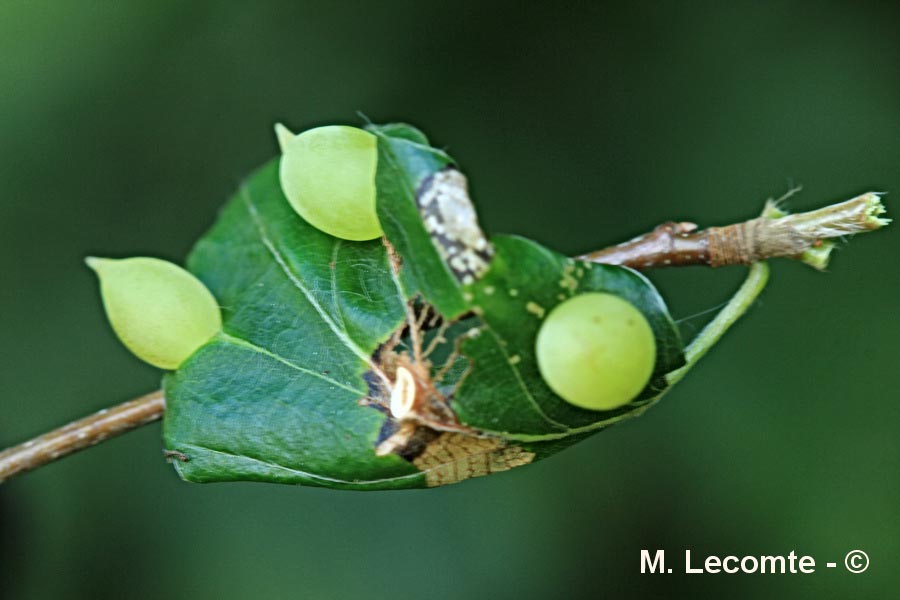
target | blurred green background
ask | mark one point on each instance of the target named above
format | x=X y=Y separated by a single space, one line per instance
x=124 y=126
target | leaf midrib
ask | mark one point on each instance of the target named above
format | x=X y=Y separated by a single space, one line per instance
x=298 y=283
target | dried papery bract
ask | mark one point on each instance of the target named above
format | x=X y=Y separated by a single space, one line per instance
x=424 y=430
x=404 y=393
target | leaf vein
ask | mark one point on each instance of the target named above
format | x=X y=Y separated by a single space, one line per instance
x=298 y=283
x=227 y=338
x=313 y=476
x=528 y=395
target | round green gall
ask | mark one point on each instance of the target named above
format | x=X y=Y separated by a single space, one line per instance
x=328 y=176
x=596 y=351
x=162 y=313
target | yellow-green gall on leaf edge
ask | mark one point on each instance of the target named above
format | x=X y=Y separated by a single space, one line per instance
x=328 y=176
x=596 y=350
x=159 y=311
x=284 y=136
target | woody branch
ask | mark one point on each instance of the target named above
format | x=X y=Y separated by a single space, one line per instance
x=803 y=236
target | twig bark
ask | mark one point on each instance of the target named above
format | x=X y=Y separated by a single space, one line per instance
x=775 y=234
x=802 y=236
x=80 y=434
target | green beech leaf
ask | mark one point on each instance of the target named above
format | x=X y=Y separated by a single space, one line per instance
x=404 y=163
x=303 y=385
x=524 y=283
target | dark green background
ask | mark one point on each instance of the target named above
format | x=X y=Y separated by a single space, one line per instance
x=124 y=126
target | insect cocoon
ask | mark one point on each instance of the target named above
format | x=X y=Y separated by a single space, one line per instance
x=328 y=176
x=162 y=313
x=596 y=351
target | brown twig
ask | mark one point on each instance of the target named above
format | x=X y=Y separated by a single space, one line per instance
x=80 y=434
x=775 y=234
x=671 y=244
